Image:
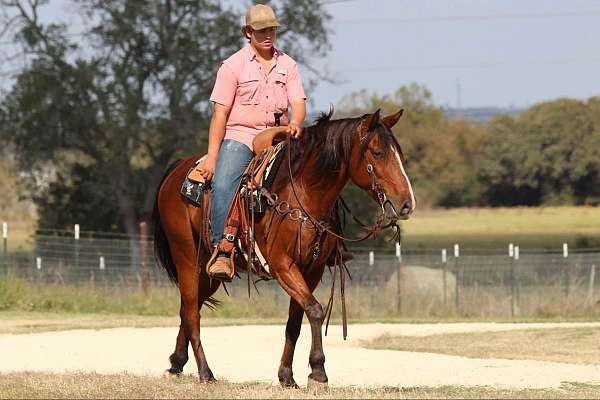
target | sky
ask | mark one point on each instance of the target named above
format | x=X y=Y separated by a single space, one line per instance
x=469 y=53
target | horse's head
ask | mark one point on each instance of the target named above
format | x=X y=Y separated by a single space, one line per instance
x=376 y=164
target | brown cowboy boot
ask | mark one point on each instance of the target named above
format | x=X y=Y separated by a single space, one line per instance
x=220 y=267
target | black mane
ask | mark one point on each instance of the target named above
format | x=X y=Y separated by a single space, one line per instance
x=332 y=142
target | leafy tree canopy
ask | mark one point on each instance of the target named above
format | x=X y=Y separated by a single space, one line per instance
x=111 y=108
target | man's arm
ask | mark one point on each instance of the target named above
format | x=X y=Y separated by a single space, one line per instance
x=216 y=133
x=297 y=118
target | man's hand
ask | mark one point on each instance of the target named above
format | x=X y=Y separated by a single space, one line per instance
x=294 y=130
x=297 y=118
x=208 y=169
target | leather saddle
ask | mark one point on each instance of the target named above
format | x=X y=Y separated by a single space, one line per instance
x=263 y=141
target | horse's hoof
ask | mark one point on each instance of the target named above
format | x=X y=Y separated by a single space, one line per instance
x=316 y=386
x=289 y=384
x=206 y=378
x=172 y=373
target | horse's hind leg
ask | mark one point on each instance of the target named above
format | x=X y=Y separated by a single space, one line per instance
x=194 y=287
x=180 y=355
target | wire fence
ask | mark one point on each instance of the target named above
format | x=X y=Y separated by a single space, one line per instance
x=526 y=282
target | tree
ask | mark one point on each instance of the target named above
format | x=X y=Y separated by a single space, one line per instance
x=440 y=154
x=118 y=116
x=547 y=155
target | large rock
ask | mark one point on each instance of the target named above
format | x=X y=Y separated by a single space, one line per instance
x=418 y=280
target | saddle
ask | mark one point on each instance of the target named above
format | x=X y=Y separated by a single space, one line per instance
x=261 y=147
x=260 y=172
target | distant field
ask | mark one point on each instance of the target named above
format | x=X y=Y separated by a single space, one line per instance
x=532 y=227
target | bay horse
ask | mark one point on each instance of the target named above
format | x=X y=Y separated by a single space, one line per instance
x=328 y=155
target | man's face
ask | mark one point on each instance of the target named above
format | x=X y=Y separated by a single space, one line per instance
x=263 y=39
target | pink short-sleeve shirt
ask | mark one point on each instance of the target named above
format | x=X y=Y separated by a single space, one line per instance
x=254 y=97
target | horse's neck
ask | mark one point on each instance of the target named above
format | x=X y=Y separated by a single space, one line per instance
x=319 y=198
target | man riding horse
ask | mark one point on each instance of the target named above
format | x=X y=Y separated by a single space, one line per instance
x=252 y=86
x=298 y=232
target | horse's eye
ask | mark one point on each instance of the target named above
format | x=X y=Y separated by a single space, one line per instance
x=378 y=154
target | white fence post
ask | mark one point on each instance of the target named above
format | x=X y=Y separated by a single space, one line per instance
x=458 y=277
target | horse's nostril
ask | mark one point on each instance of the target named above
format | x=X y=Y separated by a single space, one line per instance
x=406 y=208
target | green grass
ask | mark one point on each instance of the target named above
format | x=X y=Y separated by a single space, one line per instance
x=27 y=300
x=93 y=386
x=568 y=345
x=531 y=227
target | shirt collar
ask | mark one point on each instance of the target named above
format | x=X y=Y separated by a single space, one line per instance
x=252 y=54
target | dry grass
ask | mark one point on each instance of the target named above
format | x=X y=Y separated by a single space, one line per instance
x=568 y=345
x=86 y=386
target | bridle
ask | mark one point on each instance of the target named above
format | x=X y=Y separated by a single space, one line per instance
x=376 y=187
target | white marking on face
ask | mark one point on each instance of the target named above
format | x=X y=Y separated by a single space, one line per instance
x=412 y=196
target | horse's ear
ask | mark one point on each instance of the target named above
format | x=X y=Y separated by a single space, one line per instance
x=391 y=120
x=372 y=120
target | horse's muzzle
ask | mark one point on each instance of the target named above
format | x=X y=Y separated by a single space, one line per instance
x=403 y=212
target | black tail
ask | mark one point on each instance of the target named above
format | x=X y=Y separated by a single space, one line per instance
x=162 y=253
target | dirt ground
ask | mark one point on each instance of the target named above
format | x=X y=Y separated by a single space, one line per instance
x=251 y=353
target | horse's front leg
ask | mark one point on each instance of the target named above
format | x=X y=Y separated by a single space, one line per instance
x=292 y=331
x=295 y=285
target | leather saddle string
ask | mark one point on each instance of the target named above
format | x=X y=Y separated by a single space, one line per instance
x=343 y=295
x=330 y=301
x=248 y=238
x=299 y=244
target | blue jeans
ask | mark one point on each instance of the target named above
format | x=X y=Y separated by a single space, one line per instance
x=232 y=160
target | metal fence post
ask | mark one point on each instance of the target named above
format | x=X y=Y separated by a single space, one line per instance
x=38 y=267
x=102 y=267
x=458 y=278
x=144 y=274
x=5 y=247
x=445 y=275
x=399 y=280
x=567 y=271
x=76 y=228
x=590 y=298
x=514 y=283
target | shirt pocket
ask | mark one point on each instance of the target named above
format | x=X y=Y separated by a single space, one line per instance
x=248 y=91
x=280 y=88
